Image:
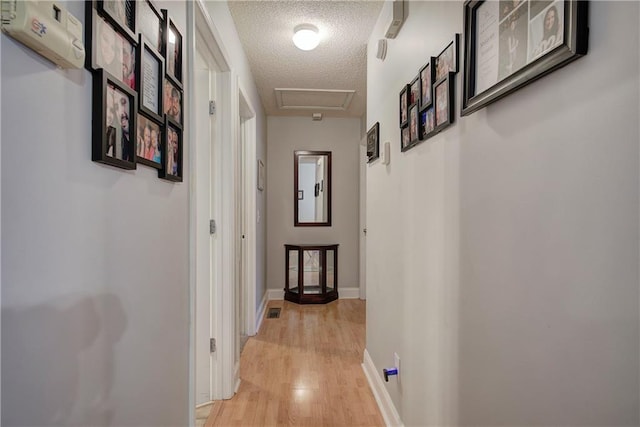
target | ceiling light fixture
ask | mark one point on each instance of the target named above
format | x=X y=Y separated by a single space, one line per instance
x=306 y=36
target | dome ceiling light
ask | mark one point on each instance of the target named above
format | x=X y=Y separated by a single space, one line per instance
x=306 y=36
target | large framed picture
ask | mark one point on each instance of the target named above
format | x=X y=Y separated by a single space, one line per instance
x=149 y=142
x=172 y=152
x=509 y=44
x=150 y=24
x=405 y=94
x=427 y=74
x=443 y=94
x=114 y=121
x=122 y=13
x=172 y=101
x=373 y=143
x=109 y=49
x=447 y=61
x=173 y=50
x=150 y=80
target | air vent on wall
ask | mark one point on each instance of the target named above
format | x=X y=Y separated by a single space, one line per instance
x=397 y=20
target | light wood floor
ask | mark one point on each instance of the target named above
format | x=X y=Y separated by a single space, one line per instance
x=303 y=369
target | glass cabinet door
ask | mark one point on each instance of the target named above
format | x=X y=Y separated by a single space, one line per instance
x=312 y=270
x=330 y=270
x=293 y=271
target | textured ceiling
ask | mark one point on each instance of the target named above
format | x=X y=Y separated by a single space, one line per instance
x=338 y=63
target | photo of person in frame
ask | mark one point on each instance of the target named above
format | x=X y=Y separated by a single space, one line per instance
x=442 y=104
x=111 y=122
x=403 y=107
x=512 y=43
x=172 y=151
x=425 y=79
x=172 y=102
x=415 y=92
x=125 y=140
x=547 y=30
x=128 y=64
x=108 y=49
x=430 y=120
x=406 y=138
x=413 y=123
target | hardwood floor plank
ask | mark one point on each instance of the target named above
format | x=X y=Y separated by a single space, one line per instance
x=303 y=369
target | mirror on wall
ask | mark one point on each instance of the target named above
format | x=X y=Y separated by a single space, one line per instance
x=312 y=188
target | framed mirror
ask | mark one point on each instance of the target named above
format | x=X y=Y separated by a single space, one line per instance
x=312 y=188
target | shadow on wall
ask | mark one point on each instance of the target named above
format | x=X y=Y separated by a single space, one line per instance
x=58 y=361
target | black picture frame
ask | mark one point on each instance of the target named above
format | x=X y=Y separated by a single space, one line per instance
x=172 y=156
x=414 y=121
x=447 y=61
x=443 y=98
x=414 y=88
x=149 y=131
x=404 y=106
x=405 y=139
x=373 y=143
x=108 y=48
x=150 y=67
x=172 y=104
x=427 y=123
x=109 y=137
x=427 y=77
x=121 y=13
x=554 y=50
x=172 y=50
x=150 y=23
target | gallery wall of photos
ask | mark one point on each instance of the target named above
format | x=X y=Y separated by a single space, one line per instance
x=427 y=102
x=134 y=52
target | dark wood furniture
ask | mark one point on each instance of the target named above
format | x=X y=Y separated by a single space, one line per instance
x=311 y=275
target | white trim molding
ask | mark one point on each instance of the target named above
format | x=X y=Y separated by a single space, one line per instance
x=349 y=293
x=261 y=312
x=387 y=408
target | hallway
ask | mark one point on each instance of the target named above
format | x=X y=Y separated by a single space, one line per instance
x=303 y=369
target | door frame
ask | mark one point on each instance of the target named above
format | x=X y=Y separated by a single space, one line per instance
x=200 y=24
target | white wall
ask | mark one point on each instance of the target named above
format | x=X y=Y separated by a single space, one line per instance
x=95 y=271
x=221 y=17
x=341 y=137
x=502 y=255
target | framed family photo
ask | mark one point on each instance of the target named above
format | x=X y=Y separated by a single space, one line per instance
x=109 y=49
x=173 y=50
x=172 y=103
x=122 y=13
x=509 y=44
x=427 y=123
x=150 y=71
x=149 y=142
x=443 y=95
x=114 y=122
x=414 y=97
x=427 y=74
x=172 y=153
x=150 y=24
x=405 y=94
x=413 y=124
x=447 y=61
x=406 y=139
x=373 y=143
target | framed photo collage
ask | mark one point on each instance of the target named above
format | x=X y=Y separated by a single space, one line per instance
x=427 y=102
x=134 y=52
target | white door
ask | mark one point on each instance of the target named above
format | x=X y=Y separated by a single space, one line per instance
x=363 y=220
x=205 y=257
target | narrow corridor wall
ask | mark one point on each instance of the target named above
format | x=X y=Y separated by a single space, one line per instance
x=502 y=254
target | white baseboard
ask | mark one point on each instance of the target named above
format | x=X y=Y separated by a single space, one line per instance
x=349 y=293
x=275 y=294
x=387 y=408
x=237 y=376
x=261 y=312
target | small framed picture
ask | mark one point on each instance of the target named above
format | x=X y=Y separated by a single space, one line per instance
x=443 y=92
x=172 y=101
x=413 y=124
x=260 y=175
x=149 y=142
x=150 y=24
x=373 y=143
x=110 y=50
x=114 y=121
x=122 y=13
x=404 y=106
x=173 y=50
x=172 y=152
x=426 y=80
x=406 y=139
x=415 y=91
x=427 y=123
x=150 y=80
x=447 y=61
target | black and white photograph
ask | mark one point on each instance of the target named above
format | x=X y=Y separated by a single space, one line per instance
x=513 y=41
x=546 y=29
